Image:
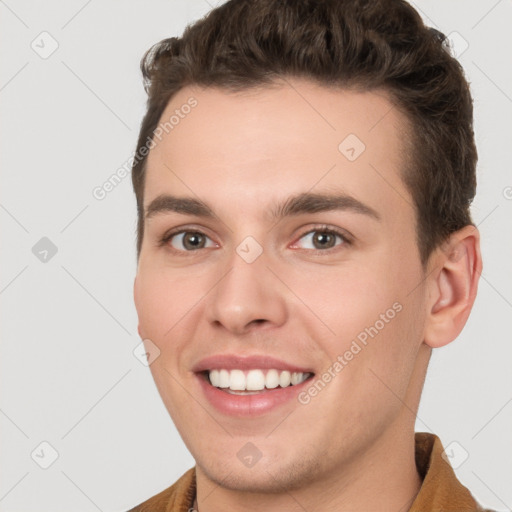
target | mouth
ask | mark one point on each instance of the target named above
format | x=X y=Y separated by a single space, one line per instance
x=253 y=382
x=251 y=386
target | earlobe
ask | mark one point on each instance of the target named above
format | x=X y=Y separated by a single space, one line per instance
x=453 y=284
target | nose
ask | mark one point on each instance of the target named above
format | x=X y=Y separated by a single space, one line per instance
x=248 y=297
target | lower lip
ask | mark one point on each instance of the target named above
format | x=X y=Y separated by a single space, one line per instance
x=250 y=405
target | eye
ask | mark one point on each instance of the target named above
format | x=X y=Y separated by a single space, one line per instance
x=321 y=239
x=190 y=241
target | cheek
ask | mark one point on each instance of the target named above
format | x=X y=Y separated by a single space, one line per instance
x=150 y=302
x=347 y=301
x=161 y=300
x=164 y=302
x=388 y=332
x=373 y=321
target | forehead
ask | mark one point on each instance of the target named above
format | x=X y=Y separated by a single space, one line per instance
x=276 y=141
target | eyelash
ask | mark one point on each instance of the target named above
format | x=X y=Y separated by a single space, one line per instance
x=346 y=239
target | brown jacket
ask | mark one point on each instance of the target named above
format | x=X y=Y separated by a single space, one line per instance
x=440 y=491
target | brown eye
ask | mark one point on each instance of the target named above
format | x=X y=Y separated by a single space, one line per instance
x=321 y=239
x=190 y=241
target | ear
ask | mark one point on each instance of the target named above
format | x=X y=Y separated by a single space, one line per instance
x=454 y=270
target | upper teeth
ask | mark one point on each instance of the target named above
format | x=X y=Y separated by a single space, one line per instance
x=255 y=380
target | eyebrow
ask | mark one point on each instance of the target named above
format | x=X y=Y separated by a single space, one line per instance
x=303 y=203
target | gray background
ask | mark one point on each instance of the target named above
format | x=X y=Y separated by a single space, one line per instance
x=68 y=374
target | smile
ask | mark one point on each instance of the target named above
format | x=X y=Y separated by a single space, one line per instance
x=241 y=382
x=250 y=385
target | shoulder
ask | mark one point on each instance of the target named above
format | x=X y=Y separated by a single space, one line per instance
x=440 y=489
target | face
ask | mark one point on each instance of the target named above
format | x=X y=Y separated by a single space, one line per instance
x=280 y=279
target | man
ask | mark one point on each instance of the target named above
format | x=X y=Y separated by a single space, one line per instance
x=303 y=180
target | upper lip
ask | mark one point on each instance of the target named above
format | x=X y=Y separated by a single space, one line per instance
x=254 y=362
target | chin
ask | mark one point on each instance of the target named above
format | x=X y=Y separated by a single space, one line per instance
x=263 y=477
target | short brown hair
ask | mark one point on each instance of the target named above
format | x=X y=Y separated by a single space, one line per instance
x=362 y=44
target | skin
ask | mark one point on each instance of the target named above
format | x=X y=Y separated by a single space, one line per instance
x=352 y=446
